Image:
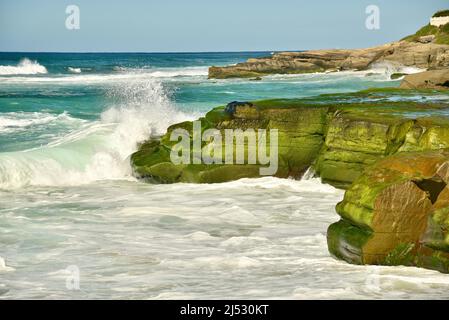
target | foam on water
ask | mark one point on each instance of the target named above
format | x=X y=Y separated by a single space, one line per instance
x=377 y=72
x=73 y=202
x=389 y=68
x=74 y=70
x=266 y=238
x=99 y=149
x=3 y=266
x=124 y=74
x=25 y=66
x=19 y=121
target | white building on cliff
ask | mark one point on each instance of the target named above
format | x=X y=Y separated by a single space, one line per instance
x=440 y=18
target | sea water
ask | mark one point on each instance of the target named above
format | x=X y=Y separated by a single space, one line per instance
x=75 y=223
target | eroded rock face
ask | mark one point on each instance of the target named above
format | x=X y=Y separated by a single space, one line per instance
x=339 y=142
x=354 y=142
x=434 y=79
x=421 y=55
x=300 y=138
x=396 y=213
x=396 y=209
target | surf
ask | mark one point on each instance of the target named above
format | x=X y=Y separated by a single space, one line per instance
x=24 y=67
x=98 y=150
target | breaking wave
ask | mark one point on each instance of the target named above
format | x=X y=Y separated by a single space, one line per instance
x=19 y=121
x=74 y=70
x=98 y=150
x=25 y=66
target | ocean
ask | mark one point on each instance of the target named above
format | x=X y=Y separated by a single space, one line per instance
x=70 y=206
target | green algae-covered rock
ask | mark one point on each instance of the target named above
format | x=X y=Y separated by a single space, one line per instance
x=357 y=138
x=338 y=135
x=390 y=154
x=300 y=137
x=396 y=213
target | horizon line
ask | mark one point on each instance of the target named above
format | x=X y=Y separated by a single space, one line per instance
x=154 y=52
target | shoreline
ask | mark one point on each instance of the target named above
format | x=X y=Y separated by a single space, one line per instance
x=340 y=136
x=427 y=49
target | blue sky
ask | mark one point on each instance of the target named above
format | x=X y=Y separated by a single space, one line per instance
x=206 y=25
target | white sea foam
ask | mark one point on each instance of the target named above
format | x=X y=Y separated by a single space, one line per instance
x=25 y=66
x=119 y=69
x=19 y=121
x=380 y=71
x=98 y=150
x=179 y=72
x=3 y=266
x=386 y=69
x=126 y=75
x=74 y=70
x=162 y=242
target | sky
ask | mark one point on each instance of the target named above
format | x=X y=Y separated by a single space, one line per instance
x=206 y=25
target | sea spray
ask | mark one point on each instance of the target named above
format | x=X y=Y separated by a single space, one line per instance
x=25 y=66
x=143 y=109
x=74 y=70
x=98 y=150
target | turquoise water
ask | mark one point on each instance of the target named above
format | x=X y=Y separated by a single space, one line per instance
x=68 y=123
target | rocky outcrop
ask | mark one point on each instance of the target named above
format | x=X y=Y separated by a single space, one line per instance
x=334 y=134
x=354 y=142
x=425 y=55
x=393 y=161
x=434 y=79
x=300 y=138
x=396 y=213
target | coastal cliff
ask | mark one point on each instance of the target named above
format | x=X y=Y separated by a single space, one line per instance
x=426 y=49
x=402 y=53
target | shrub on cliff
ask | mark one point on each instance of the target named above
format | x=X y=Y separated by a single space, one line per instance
x=441 y=34
x=442 y=13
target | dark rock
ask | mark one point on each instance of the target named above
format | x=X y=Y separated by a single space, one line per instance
x=232 y=106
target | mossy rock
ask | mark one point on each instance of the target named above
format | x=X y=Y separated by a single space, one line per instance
x=403 y=201
x=339 y=135
x=345 y=241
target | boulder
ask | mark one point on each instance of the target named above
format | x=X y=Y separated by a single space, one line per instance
x=434 y=79
x=396 y=213
x=426 y=39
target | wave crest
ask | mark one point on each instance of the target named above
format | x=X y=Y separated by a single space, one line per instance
x=25 y=66
x=74 y=70
x=98 y=150
x=18 y=121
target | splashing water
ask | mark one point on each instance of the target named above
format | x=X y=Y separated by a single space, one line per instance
x=25 y=66
x=98 y=150
x=67 y=197
x=3 y=266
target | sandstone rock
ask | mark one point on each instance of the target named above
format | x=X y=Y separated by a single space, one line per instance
x=339 y=142
x=396 y=213
x=405 y=53
x=426 y=39
x=434 y=79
